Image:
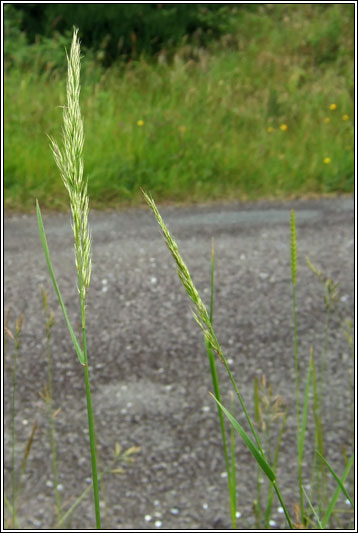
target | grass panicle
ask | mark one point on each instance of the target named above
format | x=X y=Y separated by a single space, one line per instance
x=70 y=163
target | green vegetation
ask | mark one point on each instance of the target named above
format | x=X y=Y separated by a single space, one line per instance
x=264 y=110
x=320 y=507
x=306 y=517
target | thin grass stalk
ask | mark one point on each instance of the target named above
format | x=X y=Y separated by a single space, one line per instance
x=315 y=513
x=27 y=450
x=258 y=418
x=18 y=327
x=259 y=457
x=13 y=440
x=295 y=347
x=229 y=462
x=338 y=480
x=233 y=497
x=319 y=471
x=337 y=492
x=48 y=326
x=275 y=462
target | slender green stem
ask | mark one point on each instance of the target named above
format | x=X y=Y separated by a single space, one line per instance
x=93 y=447
x=91 y=426
x=282 y=504
x=13 y=416
x=48 y=326
x=230 y=465
x=295 y=344
x=13 y=437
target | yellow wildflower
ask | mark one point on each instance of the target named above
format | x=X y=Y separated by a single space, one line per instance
x=327 y=160
x=345 y=117
x=327 y=120
x=283 y=127
x=332 y=107
x=140 y=122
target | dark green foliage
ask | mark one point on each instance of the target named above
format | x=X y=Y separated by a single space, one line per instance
x=126 y=30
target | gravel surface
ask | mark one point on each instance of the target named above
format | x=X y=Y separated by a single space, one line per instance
x=149 y=370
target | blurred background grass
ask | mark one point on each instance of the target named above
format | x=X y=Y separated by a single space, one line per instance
x=194 y=103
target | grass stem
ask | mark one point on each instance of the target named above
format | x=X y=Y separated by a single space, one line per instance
x=93 y=447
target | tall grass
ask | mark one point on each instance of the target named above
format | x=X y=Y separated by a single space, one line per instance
x=70 y=163
x=267 y=465
x=202 y=318
x=249 y=117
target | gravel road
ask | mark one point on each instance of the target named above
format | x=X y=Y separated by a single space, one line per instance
x=150 y=373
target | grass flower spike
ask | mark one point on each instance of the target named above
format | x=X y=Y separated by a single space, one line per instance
x=201 y=315
x=70 y=164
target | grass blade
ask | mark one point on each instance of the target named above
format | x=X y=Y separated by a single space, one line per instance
x=258 y=455
x=312 y=509
x=340 y=487
x=79 y=352
x=229 y=462
x=249 y=443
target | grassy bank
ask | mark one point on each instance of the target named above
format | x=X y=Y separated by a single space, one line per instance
x=267 y=111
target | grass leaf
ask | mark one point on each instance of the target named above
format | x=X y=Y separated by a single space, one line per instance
x=79 y=352
x=249 y=443
x=312 y=509
x=340 y=487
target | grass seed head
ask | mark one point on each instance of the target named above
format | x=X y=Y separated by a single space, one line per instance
x=70 y=163
x=201 y=315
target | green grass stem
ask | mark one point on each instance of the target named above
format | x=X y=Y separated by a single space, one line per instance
x=42 y=233
x=229 y=460
x=259 y=457
x=49 y=322
x=14 y=487
x=295 y=348
x=339 y=481
x=315 y=513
